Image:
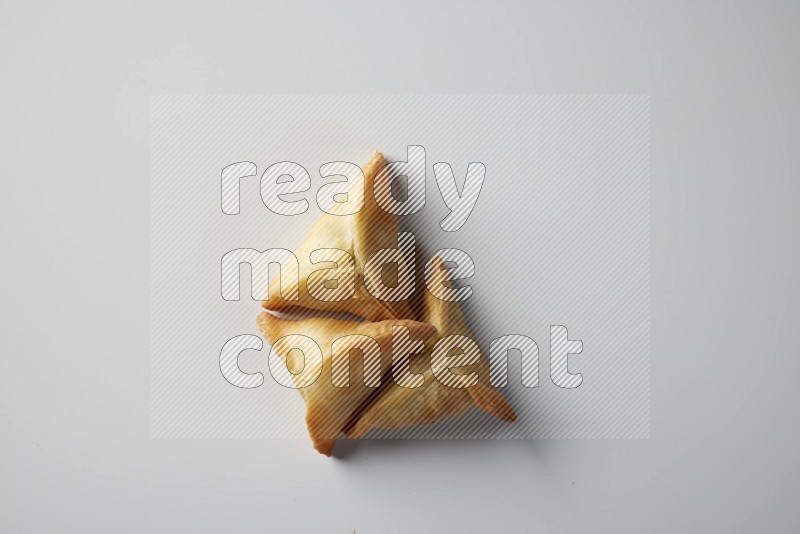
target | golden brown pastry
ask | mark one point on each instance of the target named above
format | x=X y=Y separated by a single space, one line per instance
x=360 y=235
x=400 y=407
x=359 y=383
x=354 y=408
x=331 y=409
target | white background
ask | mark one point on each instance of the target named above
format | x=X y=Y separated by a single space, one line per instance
x=76 y=453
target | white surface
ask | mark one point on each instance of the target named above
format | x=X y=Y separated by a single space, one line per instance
x=75 y=453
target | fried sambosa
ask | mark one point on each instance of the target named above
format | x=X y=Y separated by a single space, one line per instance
x=333 y=255
x=452 y=384
x=354 y=354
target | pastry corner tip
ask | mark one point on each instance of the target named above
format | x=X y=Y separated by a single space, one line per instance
x=325 y=447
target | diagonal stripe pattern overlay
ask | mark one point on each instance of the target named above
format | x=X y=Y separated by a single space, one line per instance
x=559 y=237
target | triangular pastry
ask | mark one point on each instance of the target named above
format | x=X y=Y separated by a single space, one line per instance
x=332 y=409
x=401 y=407
x=360 y=235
